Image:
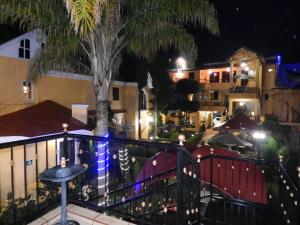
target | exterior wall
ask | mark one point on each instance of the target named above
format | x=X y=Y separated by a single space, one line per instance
x=63 y=88
x=286 y=105
x=38 y=162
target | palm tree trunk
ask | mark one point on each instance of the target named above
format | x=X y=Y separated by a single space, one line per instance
x=101 y=117
x=101 y=87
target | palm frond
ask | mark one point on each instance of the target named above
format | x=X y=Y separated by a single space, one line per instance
x=85 y=14
x=163 y=36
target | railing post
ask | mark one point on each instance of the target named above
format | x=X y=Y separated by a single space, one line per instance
x=65 y=147
x=179 y=188
x=211 y=173
x=298 y=195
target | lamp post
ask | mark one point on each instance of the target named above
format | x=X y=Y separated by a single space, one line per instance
x=259 y=136
x=181 y=139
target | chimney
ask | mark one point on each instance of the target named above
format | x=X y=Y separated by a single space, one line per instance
x=80 y=112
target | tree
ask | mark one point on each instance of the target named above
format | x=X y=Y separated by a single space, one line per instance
x=100 y=30
x=90 y=35
x=186 y=90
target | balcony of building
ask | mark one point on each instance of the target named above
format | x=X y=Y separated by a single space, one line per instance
x=143 y=183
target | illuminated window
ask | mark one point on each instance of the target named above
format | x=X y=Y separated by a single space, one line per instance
x=190 y=97
x=27 y=90
x=115 y=93
x=214 y=77
x=24 y=49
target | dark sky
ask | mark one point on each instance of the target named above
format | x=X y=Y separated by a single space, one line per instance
x=267 y=26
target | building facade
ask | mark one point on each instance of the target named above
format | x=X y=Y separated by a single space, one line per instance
x=246 y=82
x=18 y=91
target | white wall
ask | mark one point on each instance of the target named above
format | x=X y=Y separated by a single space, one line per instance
x=11 y=48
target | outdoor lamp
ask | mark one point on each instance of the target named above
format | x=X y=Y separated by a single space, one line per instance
x=181 y=63
x=65 y=127
x=181 y=139
x=259 y=135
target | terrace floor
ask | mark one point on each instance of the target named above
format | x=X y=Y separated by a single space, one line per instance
x=82 y=215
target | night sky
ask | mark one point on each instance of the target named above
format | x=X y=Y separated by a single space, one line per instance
x=269 y=27
x=266 y=26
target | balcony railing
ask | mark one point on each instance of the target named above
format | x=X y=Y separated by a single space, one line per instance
x=243 y=90
x=145 y=183
x=211 y=103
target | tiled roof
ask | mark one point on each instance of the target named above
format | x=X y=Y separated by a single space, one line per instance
x=43 y=118
x=238 y=122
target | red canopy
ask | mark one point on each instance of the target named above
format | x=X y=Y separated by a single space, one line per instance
x=237 y=123
x=236 y=178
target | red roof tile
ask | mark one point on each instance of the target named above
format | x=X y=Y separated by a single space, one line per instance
x=238 y=122
x=44 y=118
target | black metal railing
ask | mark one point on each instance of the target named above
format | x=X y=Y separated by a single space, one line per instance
x=249 y=191
x=243 y=89
x=145 y=183
x=212 y=103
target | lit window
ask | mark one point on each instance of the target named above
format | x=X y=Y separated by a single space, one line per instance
x=24 y=49
x=27 y=90
x=214 y=77
x=190 y=97
x=115 y=93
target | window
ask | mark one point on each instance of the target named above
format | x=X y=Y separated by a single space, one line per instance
x=115 y=93
x=214 y=77
x=24 y=49
x=266 y=97
x=225 y=77
x=27 y=90
x=191 y=75
x=142 y=101
x=213 y=95
x=190 y=97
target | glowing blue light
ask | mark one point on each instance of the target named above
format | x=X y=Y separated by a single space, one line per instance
x=278 y=59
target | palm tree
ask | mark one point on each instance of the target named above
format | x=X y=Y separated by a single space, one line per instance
x=100 y=30
x=92 y=34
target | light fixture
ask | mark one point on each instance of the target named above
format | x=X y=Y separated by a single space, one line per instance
x=241 y=103
x=251 y=73
x=270 y=70
x=25 y=89
x=228 y=70
x=252 y=113
x=247 y=68
x=150 y=119
x=259 y=135
x=181 y=63
x=243 y=64
x=181 y=139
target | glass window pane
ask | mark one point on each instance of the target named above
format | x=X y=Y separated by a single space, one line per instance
x=21 y=52
x=27 y=54
x=27 y=43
